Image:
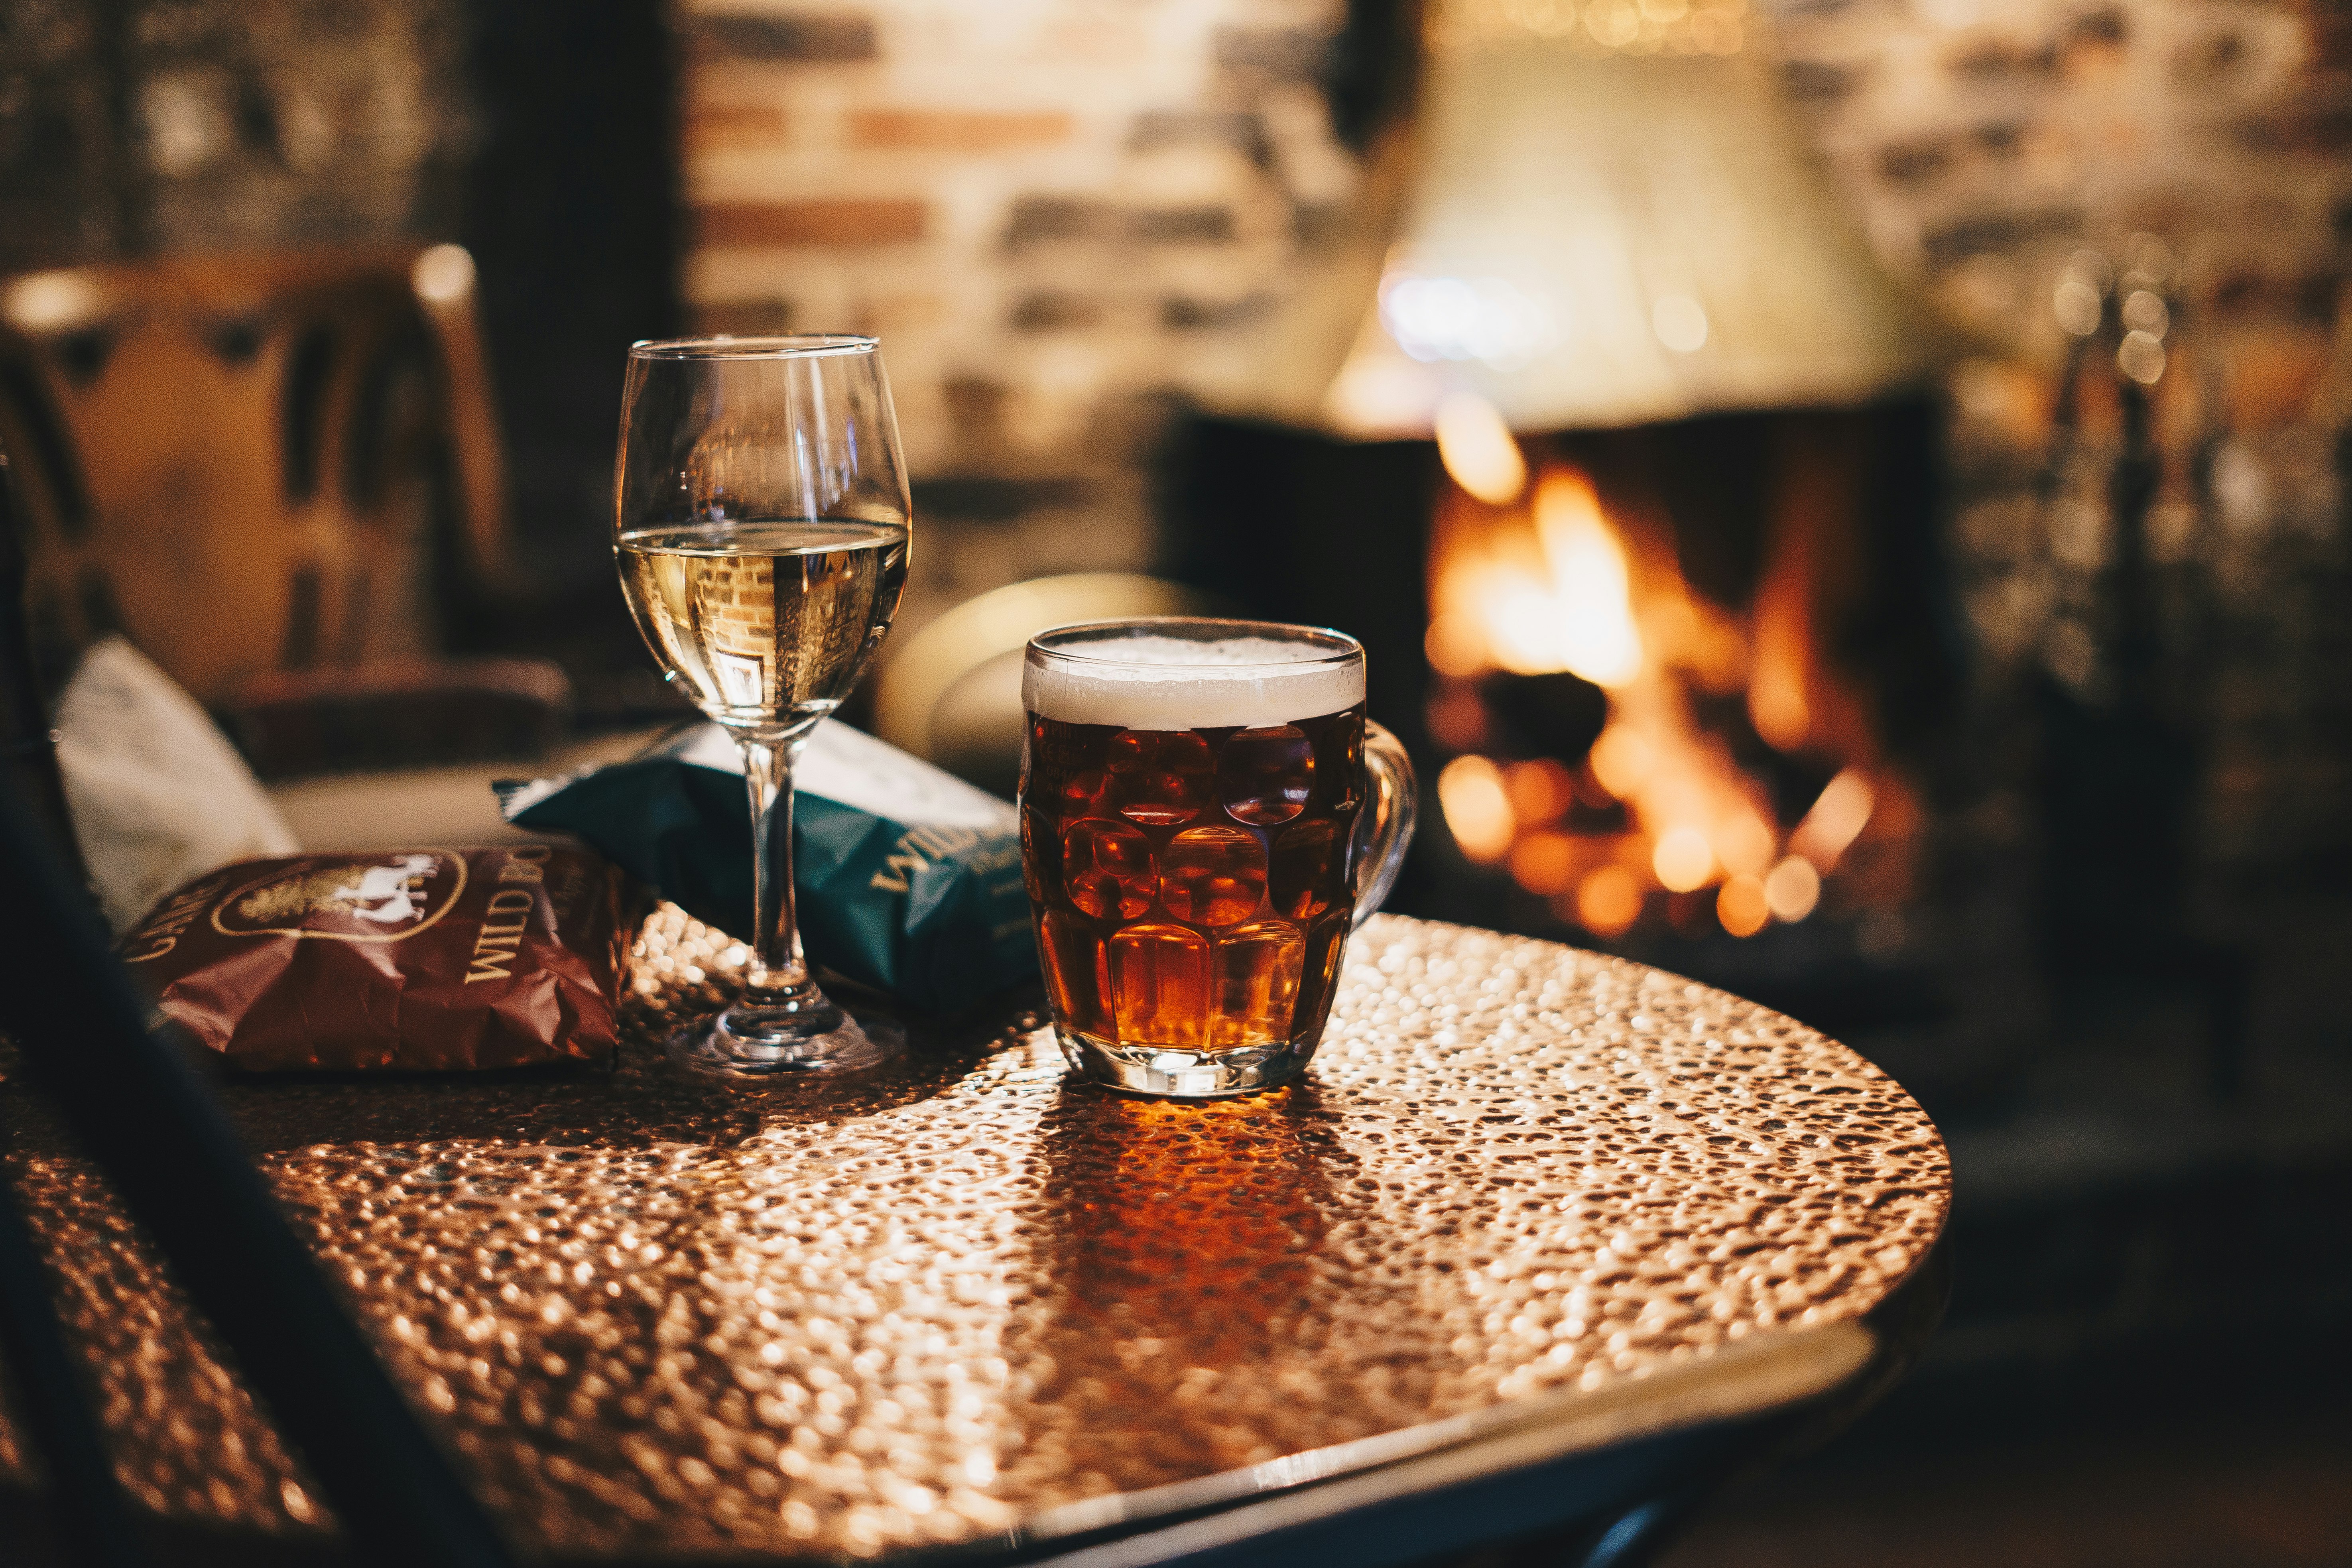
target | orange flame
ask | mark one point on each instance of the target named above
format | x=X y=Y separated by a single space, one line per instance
x=1548 y=585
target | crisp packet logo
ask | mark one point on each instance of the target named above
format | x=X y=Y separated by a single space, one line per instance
x=347 y=898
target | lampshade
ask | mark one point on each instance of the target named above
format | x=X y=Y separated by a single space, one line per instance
x=1603 y=215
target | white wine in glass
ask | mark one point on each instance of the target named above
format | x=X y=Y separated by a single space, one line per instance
x=762 y=526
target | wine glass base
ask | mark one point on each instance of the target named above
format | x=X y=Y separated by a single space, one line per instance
x=734 y=1045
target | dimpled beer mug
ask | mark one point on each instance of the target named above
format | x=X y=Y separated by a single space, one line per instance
x=1205 y=815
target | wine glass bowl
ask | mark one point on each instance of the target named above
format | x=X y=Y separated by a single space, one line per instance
x=761 y=529
x=765 y=625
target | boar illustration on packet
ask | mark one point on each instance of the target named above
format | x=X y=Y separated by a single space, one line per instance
x=909 y=879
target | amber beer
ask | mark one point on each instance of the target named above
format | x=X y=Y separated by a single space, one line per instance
x=1189 y=802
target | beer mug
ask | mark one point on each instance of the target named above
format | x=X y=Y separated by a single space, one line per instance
x=1205 y=815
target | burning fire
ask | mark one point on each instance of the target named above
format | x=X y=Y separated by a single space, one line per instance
x=1531 y=578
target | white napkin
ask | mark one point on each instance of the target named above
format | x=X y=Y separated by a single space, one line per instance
x=158 y=795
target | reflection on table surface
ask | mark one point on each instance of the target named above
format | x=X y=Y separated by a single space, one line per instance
x=929 y=1303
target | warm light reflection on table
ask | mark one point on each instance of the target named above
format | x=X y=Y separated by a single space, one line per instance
x=927 y=1305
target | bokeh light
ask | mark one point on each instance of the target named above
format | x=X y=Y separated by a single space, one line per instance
x=1607 y=900
x=1794 y=888
x=1683 y=860
x=1477 y=808
x=1742 y=906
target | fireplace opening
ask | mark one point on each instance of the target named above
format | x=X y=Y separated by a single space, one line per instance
x=1672 y=685
x=1673 y=669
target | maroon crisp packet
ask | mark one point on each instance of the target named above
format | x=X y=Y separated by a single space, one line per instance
x=417 y=960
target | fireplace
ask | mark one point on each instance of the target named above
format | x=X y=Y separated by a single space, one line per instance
x=1668 y=684
x=1612 y=446
x=1671 y=667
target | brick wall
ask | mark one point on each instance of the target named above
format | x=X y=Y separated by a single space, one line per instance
x=1063 y=214
x=1058 y=214
x=1984 y=140
x=58 y=148
x=214 y=125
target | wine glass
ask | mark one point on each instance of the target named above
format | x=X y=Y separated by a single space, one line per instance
x=760 y=528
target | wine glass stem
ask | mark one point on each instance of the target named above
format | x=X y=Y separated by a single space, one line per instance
x=778 y=970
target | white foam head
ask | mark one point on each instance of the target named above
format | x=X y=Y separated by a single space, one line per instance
x=1149 y=680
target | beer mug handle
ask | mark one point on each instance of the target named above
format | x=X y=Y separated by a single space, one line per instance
x=1385 y=830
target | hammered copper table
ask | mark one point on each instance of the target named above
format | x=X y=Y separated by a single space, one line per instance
x=1546 y=1235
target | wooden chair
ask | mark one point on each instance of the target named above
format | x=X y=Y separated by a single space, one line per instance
x=251 y=464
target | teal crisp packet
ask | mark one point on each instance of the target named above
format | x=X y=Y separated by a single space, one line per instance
x=909 y=879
